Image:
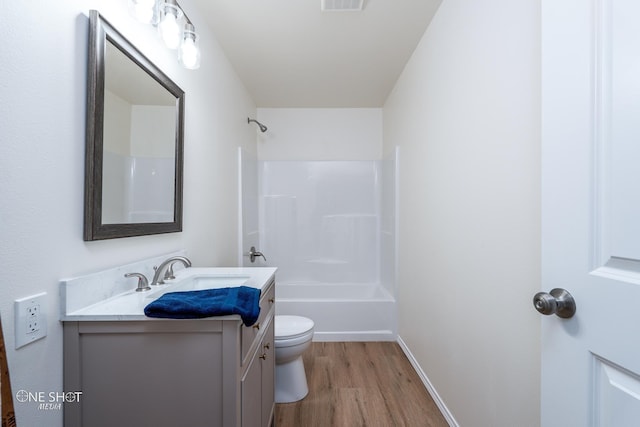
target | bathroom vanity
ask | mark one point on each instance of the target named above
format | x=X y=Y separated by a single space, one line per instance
x=133 y=370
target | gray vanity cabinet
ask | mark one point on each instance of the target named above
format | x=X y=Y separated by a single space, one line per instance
x=268 y=374
x=161 y=372
x=258 y=384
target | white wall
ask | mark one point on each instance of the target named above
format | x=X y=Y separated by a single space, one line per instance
x=43 y=61
x=320 y=134
x=465 y=114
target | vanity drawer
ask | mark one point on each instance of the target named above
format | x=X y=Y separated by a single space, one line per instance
x=250 y=333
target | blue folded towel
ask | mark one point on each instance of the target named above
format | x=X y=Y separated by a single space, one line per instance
x=242 y=300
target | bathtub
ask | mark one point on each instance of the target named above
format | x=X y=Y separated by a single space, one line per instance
x=341 y=311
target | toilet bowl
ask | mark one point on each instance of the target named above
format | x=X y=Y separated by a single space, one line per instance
x=293 y=336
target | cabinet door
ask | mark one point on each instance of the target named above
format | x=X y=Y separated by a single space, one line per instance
x=251 y=393
x=268 y=375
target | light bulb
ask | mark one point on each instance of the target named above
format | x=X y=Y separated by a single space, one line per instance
x=143 y=10
x=189 y=53
x=170 y=31
x=168 y=27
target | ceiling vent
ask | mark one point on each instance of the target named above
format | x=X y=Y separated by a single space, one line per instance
x=341 y=5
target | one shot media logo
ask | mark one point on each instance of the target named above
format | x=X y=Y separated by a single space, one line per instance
x=52 y=400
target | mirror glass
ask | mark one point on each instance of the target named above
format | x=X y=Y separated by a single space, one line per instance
x=138 y=144
x=134 y=141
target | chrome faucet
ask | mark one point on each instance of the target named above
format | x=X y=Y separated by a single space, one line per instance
x=143 y=285
x=165 y=270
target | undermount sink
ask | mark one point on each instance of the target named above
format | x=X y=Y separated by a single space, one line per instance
x=199 y=282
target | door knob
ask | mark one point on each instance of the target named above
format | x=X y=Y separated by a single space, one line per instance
x=558 y=301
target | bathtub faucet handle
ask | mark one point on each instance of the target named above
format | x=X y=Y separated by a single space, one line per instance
x=253 y=254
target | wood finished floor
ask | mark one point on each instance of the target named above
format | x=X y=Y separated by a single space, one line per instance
x=360 y=384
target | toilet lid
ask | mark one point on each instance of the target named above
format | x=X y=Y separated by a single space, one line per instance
x=292 y=326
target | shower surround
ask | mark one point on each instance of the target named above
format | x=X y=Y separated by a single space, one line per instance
x=329 y=227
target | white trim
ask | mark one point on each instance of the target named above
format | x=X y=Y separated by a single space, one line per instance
x=339 y=336
x=425 y=380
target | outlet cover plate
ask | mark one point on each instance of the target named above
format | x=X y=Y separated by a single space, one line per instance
x=30 y=319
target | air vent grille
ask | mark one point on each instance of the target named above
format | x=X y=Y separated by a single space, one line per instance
x=341 y=5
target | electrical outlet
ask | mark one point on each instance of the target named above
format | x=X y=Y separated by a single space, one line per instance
x=33 y=318
x=30 y=319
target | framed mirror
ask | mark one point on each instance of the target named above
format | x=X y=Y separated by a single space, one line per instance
x=135 y=137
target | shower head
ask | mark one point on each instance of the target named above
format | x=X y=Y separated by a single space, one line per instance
x=262 y=127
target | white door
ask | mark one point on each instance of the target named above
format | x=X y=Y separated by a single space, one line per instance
x=591 y=211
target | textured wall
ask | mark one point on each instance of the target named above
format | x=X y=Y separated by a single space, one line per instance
x=43 y=61
x=465 y=114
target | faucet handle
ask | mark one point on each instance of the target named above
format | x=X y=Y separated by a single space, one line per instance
x=143 y=283
x=253 y=254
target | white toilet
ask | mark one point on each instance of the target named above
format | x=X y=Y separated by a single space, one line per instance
x=292 y=337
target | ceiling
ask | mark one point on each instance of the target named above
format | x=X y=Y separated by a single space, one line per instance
x=289 y=53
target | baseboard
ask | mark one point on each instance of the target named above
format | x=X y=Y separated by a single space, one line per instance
x=425 y=380
x=340 y=336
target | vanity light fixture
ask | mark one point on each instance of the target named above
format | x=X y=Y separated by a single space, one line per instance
x=167 y=15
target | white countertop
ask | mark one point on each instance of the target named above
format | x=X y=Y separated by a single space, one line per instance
x=130 y=304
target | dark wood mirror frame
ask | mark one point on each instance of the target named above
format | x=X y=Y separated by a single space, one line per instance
x=101 y=32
